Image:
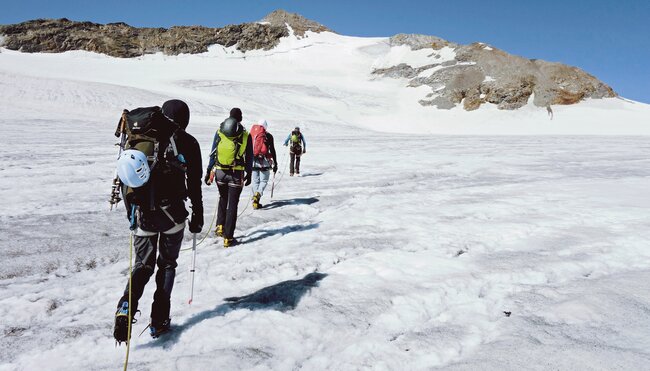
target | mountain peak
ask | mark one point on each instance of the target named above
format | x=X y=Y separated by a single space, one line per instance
x=298 y=23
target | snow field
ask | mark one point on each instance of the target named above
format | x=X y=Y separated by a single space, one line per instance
x=392 y=251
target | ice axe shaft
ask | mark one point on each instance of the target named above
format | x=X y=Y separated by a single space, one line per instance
x=193 y=267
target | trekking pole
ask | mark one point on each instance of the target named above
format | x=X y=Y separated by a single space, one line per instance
x=272 y=185
x=193 y=267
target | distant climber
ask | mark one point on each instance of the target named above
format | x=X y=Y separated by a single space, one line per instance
x=297 y=148
x=549 y=111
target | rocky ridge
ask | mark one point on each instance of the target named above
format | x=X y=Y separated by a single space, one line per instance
x=122 y=40
x=479 y=74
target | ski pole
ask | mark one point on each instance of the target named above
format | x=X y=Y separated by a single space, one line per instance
x=193 y=267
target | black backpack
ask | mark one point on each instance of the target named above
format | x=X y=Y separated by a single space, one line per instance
x=148 y=130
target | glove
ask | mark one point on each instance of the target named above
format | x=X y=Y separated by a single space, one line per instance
x=304 y=151
x=196 y=223
x=275 y=168
x=285 y=144
x=207 y=179
x=247 y=179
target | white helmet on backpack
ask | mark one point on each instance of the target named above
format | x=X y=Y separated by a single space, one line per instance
x=263 y=123
x=133 y=168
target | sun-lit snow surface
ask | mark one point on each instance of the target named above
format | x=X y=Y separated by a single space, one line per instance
x=420 y=243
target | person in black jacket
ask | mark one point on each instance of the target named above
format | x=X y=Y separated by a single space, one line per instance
x=160 y=226
x=231 y=161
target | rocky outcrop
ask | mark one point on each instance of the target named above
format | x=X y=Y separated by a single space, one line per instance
x=122 y=40
x=298 y=23
x=417 y=42
x=480 y=74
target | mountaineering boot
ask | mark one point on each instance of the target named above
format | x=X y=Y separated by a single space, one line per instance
x=218 y=231
x=227 y=242
x=157 y=328
x=290 y=174
x=121 y=330
x=256 y=200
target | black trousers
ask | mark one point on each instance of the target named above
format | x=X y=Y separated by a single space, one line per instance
x=294 y=164
x=230 y=184
x=168 y=247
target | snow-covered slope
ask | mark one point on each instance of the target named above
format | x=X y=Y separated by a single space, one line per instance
x=396 y=250
x=324 y=77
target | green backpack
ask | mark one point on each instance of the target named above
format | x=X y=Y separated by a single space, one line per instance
x=230 y=151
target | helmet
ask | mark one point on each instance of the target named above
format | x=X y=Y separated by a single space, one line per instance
x=178 y=111
x=236 y=114
x=297 y=128
x=133 y=168
x=230 y=127
x=263 y=123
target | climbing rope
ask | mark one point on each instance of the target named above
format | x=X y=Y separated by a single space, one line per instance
x=128 y=334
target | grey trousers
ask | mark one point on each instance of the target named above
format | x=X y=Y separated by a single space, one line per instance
x=260 y=180
x=168 y=246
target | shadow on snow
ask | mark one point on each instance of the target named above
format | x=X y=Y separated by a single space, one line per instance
x=264 y=233
x=293 y=201
x=283 y=296
x=311 y=174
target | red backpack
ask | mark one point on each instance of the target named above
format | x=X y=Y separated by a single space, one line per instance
x=258 y=136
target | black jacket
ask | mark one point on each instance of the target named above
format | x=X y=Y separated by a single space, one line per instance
x=271 y=143
x=172 y=181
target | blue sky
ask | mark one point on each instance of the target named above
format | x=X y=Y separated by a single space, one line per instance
x=609 y=39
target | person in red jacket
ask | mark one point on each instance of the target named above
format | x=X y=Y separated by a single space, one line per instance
x=265 y=159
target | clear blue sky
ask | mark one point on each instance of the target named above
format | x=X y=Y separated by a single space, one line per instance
x=609 y=39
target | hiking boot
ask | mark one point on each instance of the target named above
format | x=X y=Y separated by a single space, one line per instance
x=256 y=200
x=227 y=242
x=290 y=174
x=157 y=328
x=121 y=329
x=218 y=231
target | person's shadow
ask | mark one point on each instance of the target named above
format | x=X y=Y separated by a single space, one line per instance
x=283 y=296
x=311 y=174
x=259 y=235
x=293 y=201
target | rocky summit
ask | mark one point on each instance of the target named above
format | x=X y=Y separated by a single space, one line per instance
x=298 y=23
x=479 y=73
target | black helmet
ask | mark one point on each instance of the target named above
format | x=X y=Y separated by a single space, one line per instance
x=297 y=128
x=236 y=114
x=230 y=127
x=178 y=111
